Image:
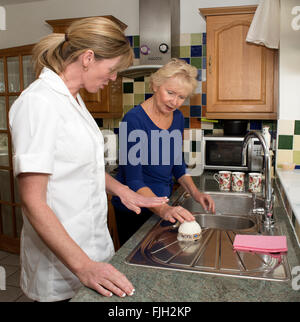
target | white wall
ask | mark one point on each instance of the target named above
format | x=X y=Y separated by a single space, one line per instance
x=25 y=22
x=289 y=85
x=192 y=22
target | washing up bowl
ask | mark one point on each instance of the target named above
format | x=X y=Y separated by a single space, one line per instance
x=224 y=222
x=225 y=202
x=213 y=253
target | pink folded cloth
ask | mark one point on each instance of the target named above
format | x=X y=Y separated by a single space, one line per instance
x=260 y=243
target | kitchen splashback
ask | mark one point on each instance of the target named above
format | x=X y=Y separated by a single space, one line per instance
x=193 y=50
x=288 y=148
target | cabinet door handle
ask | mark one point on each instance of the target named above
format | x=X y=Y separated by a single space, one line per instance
x=209 y=64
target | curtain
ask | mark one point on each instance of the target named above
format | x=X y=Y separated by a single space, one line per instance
x=265 y=27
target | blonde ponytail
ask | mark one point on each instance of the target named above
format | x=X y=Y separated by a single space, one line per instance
x=46 y=53
x=104 y=37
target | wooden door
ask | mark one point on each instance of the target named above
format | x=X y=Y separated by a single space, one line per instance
x=241 y=76
x=16 y=73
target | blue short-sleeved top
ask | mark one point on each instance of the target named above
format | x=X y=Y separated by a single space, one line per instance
x=149 y=156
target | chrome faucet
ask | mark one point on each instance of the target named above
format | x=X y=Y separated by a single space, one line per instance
x=268 y=207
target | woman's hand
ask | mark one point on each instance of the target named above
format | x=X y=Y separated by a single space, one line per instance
x=134 y=201
x=173 y=214
x=105 y=279
x=131 y=199
x=205 y=200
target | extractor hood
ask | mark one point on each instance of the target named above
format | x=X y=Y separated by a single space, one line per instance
x=159 y=36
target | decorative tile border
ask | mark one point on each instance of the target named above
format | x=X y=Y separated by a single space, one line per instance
x=288 y=148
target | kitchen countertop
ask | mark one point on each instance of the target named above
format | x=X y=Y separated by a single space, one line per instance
x=158 y=285
x=290 y=180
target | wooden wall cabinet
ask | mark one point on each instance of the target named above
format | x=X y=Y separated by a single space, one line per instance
x=107 y=102
x=242 y=78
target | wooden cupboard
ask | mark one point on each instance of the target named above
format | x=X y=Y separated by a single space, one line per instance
x=16 y=73
x=242 y=78
x=106 y=103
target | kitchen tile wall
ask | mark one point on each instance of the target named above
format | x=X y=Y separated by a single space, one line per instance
x=288 y=149
x=192 y=49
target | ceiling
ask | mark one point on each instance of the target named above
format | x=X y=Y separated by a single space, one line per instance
x=10 y=2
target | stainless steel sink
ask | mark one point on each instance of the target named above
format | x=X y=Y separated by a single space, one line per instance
x=224 y=222
x=226 y=203
x=213 y=253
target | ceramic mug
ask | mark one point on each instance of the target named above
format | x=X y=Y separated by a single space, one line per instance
x=238 y=181
x=255 y=182
x=223 y=178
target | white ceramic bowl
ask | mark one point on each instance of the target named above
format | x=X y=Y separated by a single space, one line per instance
x=189 y=231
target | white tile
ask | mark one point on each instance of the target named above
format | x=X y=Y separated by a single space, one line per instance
x=185 y=39
x=203 y=75
x=198 y=89
x=296 y=143
x=207 y=125
x=284 y=156
x=286 y=127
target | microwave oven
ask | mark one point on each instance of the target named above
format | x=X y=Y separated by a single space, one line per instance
x=225 y=153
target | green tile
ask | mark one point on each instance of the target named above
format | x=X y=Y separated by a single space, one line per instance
x=297 y=127
x=128 y=87
x=196 y=39
x=285 y=142
x=296 y=157
x=193 y=146
x=185 y=51
x=127 y=108
x=204 y=50
x=139 y=79
x=197 y=62
x=139 y=98
x=147 y=88
x=136 y=41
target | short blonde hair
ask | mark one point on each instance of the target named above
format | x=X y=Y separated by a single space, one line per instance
x=101 y=35
x=176 y=68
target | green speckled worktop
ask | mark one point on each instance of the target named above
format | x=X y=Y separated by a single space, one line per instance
x=158 y=285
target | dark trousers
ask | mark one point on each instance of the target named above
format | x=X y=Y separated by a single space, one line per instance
x=128 y=222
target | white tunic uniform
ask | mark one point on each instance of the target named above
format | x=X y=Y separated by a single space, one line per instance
x=53 y=134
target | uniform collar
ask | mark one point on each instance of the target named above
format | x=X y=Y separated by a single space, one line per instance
x=54 y=81
x=57 y=84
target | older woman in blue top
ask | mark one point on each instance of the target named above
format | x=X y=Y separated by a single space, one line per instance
x=150 y=141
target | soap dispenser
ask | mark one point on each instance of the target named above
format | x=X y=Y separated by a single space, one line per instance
x=267 y=136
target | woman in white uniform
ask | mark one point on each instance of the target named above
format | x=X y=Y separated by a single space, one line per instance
x=59 y=163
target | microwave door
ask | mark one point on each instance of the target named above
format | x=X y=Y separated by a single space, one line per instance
x=224 y=154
